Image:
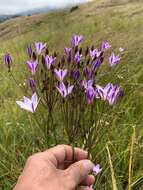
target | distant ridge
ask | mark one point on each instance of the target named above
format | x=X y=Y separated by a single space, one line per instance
x=37 y=11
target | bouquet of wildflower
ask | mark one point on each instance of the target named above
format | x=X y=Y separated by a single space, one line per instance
x=68 y=88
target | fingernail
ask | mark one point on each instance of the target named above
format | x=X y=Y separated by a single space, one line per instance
x=88 y=164
x=88 y=188
x=85 y=152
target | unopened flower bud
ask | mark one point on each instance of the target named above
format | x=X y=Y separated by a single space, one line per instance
x=32 y=85
x=47 y=51
x=30 y=51
x=34 y=56
x=8 y=61
x=86 y=51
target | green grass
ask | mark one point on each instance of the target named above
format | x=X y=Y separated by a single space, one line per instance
x=122 y=25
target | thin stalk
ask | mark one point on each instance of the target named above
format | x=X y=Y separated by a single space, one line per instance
x=114 y=184
x=133 y=139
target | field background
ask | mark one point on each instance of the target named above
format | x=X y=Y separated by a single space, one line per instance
x=119 y=22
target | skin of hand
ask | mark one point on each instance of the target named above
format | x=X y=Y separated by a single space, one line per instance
x=54 y=170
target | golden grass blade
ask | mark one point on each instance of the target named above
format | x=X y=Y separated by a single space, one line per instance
x=114 y=184
x=133 y=140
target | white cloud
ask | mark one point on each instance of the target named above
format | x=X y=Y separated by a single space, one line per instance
x=15 y=6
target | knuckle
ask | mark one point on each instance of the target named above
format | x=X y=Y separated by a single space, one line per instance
x=70 y=179
x=60 y=146
x=34 y=158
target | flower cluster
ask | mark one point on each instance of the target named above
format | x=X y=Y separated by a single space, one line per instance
x=70 y=84
x=80 y=69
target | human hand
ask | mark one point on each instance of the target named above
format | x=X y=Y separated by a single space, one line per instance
x=54 y=170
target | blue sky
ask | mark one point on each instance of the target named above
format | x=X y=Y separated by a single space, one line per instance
x=16 y=6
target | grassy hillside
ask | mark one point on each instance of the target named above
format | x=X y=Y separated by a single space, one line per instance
x=119 y=22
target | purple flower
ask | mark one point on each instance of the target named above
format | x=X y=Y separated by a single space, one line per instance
x=30 y=51
x=109 y=93
x=29 y=104
x=76 y=74
x=105 y=46
x=39 y=47
x=114 y=59
x=49 y=60
x=89 y=72
x=33 y=65
x=87 y=84
x=113 y=94
x=97 y=63
x=65 y=91
x=32 y=85
x=77 y=58
x=8 y=60
x=90 y=94
x=76 y=40
x=68 y=51
x=95 y=53
x=68 y=54
x=97 y=169
x=60 y=74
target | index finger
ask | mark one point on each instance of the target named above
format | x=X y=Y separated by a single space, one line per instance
x=61 y=153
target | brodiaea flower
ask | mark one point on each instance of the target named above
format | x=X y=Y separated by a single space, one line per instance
x=65 y=91
x=76 y=74
x=113 y=94
x=68 y=51
x=109 y=93
x=77 y=57
x=94 y=53
x=49 y=60
x=8 y=60
x=114 y=59
x=97 y=169
x=96 y=64
x=105 y=46
x=90 y=95
x=76 y=40
x=39 y=47
x=33 y=65
x=60 y=74
x=30 y=51
x=87 y=84
x=68 y=54
x=29 y=104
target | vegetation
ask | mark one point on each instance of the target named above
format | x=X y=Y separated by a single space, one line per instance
x=120 y=150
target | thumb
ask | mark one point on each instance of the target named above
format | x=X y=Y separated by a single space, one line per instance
x=79 y=171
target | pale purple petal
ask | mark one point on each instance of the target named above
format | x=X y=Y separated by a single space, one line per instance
x=97 y=169
x=78 y=57
x=90 y=95
x=50 y=60
x=70 y=89
x=61 y=74
x=63 y=90
x=39 y=47
x=76 y=40
x=25 y=106
x=26 y=100
x=95 y=53
x=32 y=65
x=105 y=46
x=34 y=101
x=87 y=84
x=114 y=59
x=29 y=105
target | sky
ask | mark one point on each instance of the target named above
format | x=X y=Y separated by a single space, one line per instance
x=16 y=6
